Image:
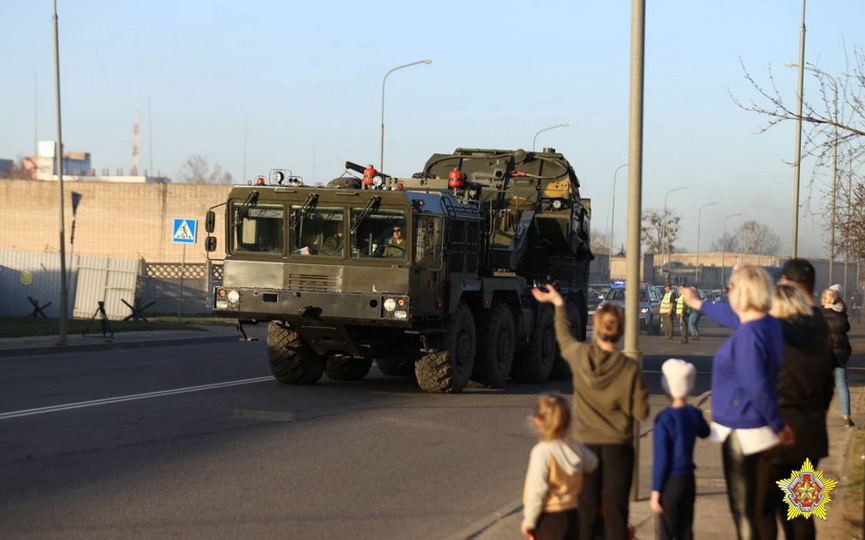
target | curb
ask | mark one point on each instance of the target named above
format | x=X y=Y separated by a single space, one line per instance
x=61 y=349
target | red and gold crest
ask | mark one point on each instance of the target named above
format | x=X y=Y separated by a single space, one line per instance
x=806 y=492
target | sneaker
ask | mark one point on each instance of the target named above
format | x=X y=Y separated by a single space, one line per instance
x=848 y=422
x=695 y=336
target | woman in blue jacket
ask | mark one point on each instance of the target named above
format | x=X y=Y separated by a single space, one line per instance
x=745 y=416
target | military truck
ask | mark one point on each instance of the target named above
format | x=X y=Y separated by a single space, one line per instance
x=428 y=276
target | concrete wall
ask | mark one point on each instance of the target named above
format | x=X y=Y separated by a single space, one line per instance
x=113 y=220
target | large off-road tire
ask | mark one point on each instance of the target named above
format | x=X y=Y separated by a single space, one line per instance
x=342 y=368
x=534 y=362
x=396 y=367
x=495 y=348
x=449 y=367
x=291 y=360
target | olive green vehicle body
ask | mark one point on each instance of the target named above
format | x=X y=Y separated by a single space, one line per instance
x=470 y=256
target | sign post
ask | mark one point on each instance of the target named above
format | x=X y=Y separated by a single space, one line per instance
x=183 y=232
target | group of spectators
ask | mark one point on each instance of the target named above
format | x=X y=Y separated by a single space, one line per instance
x=772 y=382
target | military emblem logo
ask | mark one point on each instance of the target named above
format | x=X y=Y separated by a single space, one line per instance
x=806 y=492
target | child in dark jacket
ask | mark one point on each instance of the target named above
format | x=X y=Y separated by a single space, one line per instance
x=676 y=430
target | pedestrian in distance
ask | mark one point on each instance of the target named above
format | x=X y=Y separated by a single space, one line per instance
x=839 y=293
x=856 y=306
x=805 y=387
x=676 y=430
x=668 y=306
x=609 y=395
x=682 y=314
x=745 y=416
x=694 y=324
x=555 y=474
x=839 y=326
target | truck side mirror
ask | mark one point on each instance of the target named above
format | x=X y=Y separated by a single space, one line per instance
x=210 y=222
x=210 y=243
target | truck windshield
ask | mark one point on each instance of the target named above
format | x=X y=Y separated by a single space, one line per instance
x=259 y=229
x=319 y=231
x=381 y=234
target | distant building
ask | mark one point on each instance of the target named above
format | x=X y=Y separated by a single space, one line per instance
x=5 y=167
x=76 y=167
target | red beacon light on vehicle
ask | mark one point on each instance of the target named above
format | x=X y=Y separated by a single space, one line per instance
x=260 y=181
x=456 y=178
x=368 y=176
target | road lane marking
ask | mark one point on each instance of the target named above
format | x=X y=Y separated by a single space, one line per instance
x=131 y=397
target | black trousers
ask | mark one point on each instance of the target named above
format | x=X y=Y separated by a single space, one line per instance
x=676 y=523
x=798 y=528
x=610 y=487
x=557 y=525
x=747 y=487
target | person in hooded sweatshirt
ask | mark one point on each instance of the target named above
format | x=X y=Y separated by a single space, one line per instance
x=805 y=386
x=555 y=474
x=609 y=394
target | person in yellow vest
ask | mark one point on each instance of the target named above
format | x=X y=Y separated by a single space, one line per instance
x=668 y=306
x=682 y=313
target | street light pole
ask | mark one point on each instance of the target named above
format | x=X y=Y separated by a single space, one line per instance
x=834 y=170
x=724 y=253
x=699 y=218
x=58 y=156
x=613 y=217
x=535 y=139
x=383 y=81
x=797 y=162
x=666 y=240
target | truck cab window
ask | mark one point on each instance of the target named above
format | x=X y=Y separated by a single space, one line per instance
x=318 y=232
x=381 y=234
x=259 y=229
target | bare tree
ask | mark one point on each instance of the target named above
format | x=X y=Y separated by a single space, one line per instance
x=751 y=237
x=196 y=170
x=725 y=242
x=851 y=222
x=834 y=118
x=600 y=242
x=660 y=230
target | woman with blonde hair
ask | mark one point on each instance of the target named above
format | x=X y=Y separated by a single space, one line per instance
x=745 y=416
x=555 y=474
x=836 y=317
x=609 y=394
x=804 y=393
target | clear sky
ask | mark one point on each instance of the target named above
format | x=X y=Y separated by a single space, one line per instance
x=260 y=84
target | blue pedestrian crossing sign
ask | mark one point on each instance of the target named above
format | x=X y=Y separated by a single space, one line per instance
x=183 y=231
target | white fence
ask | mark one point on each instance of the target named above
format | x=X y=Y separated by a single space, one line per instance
x=31 y=280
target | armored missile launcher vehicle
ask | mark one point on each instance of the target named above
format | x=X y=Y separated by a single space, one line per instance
x=428 y=276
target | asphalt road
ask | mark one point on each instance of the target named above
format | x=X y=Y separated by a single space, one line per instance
x=198 y=441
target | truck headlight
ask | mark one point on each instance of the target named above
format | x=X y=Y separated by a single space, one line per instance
x=233 y=296
x=389 y=304
x=401 y=315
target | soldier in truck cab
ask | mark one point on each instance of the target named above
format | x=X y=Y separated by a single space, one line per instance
x=395 y=246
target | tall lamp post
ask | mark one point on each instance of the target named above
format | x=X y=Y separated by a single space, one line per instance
x=383 y=81
x=834 y=169
x=535 y=138
x=697 y=269
x=666 y=237
x=798 y=161
x=613 y=216
x=58 y=155
x=724 y=253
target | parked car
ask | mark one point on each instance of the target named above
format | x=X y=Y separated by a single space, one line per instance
x=597 y=292
x=650 y=306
